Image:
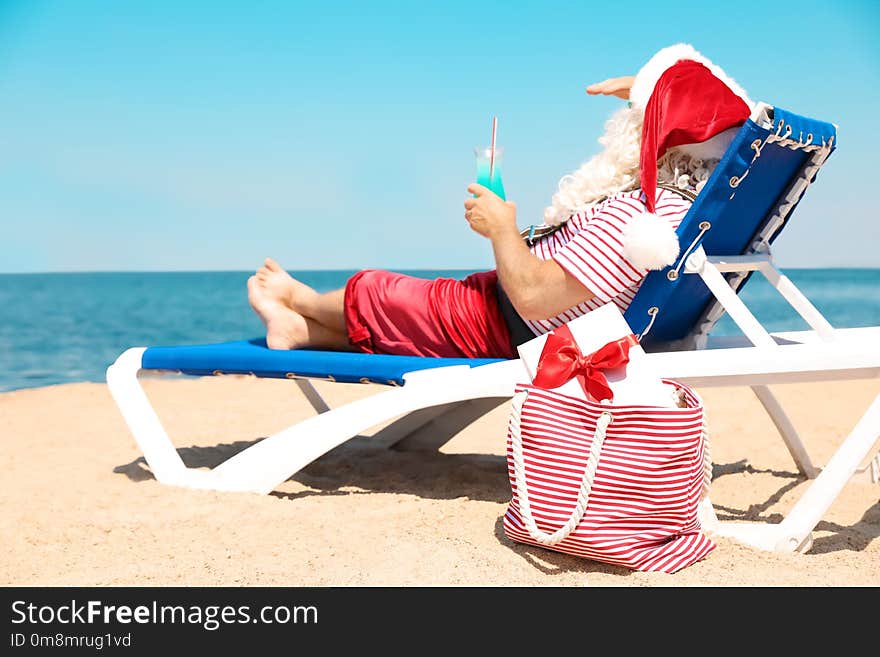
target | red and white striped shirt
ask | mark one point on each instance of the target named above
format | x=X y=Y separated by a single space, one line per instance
x=590 y=247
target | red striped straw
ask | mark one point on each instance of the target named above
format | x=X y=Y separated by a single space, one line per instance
x=492 y=152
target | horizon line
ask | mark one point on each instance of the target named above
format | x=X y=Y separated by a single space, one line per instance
x=339 y=269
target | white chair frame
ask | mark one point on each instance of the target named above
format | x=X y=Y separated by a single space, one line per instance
x=435 y=403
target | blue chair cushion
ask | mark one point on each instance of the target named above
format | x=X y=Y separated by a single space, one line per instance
x=253 y=357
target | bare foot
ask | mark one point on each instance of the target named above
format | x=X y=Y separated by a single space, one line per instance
x=285 y=329
x=277 y=284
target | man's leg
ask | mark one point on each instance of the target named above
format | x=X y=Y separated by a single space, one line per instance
x=288 y=329
x=327 y=309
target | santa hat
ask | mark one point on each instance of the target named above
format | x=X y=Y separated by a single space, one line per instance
x=689 y=104
x=649 y=74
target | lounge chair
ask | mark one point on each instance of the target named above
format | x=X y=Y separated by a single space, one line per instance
x=725 y=237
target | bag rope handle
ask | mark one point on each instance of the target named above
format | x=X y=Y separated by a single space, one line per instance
x=519 y=470
x=707 y=458
x=681 y=402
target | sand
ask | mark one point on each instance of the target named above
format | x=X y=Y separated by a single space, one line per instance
x=78 y=506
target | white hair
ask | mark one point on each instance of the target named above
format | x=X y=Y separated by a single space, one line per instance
x=616 y=169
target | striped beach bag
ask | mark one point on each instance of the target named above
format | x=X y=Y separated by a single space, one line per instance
x=618 y=484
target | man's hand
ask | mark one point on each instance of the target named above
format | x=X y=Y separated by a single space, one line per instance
x=487 y=213
x=613 y=87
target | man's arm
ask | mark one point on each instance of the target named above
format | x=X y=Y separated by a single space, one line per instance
x=538 y=289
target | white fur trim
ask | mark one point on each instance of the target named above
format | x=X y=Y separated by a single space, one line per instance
x=647 y=77
x=649 y=242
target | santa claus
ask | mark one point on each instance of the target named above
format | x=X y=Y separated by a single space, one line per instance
x=609 y=223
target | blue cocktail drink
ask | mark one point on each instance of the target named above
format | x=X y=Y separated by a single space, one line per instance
x=487 y=174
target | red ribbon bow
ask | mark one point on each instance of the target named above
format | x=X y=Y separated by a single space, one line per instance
x=561 y=360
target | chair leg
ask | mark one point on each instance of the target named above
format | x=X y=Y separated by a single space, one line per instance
x=425 y=429
x=272 y=460
x=871 y=471
x=787 y=431
x=408 y=424
x=269 y=462
x=808 y=511
x=148 y=432
x=435 y=430
x=794 y=533
x=312 y=395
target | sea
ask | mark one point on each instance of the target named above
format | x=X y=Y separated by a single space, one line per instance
x=64 y=327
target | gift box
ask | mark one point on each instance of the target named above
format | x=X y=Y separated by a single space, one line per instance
x=596 y=358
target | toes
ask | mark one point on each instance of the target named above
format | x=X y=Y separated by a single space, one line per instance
x=271 y=265
x=254 y=295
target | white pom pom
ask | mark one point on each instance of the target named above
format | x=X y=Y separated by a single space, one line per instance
x=649 y=242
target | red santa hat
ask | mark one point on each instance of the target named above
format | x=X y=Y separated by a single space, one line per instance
x=689 y=104
x=649 y=74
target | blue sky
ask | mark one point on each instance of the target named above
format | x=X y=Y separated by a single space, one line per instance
x=205 y=135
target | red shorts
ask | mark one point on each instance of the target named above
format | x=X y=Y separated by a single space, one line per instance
x=388 y=313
